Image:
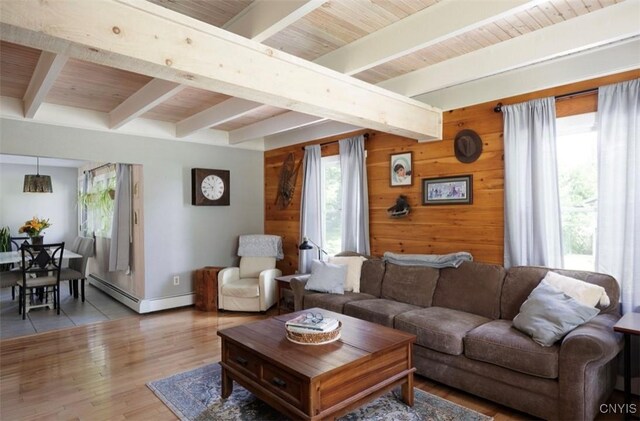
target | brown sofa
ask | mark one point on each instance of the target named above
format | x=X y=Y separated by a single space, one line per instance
x=462 y=320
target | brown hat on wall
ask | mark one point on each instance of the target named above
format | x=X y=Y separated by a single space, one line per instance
x=467 y=146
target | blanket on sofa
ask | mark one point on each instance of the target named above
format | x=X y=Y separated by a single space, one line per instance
x=432 y=260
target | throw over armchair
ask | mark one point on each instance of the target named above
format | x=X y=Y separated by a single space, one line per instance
x=251 y=286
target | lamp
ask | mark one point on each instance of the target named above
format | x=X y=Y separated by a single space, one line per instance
x=306 y=246
x=37 y=183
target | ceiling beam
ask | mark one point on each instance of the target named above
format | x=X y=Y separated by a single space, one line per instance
x=146 y=98
x=220 y=113
x=258 y=21
x=264 y=18
x=432 y=25
x=604 y=26
x=45 y=74
x=308 y=133
x=585 y=65
x=280 y=123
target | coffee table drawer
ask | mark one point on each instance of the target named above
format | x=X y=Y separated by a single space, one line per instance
x=243 y=360
x=282 y=383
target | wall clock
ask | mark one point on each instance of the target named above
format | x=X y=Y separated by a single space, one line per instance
x=209 y=187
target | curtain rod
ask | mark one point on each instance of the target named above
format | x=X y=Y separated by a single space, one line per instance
x=366 y=136
x=97 y=168
x=498 y=107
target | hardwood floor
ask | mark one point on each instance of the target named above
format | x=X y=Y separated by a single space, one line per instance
x=100 y=371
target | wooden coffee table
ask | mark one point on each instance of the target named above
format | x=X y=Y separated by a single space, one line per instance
x=313 y=382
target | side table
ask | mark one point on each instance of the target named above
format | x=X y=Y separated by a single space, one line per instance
x=206 y=288
x=629 y=325
x=283 y=284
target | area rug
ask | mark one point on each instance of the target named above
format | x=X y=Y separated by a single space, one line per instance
x=195 y=396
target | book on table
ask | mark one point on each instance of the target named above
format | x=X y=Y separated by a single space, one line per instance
x=303 y=324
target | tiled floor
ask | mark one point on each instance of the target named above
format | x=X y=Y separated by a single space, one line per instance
x=97 y=307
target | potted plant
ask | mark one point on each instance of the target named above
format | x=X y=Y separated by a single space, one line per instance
x=33 y=228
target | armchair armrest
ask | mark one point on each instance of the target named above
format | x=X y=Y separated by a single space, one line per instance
x=584 y=353
x=297 y=286
x=267 y=280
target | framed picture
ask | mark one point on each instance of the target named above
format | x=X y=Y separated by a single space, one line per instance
x=447 y=190
x=400 y=166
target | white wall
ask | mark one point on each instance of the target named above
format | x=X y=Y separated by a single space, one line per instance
x=60 y=207
x=179 y=237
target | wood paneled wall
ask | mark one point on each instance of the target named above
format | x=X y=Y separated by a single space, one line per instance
x=477 y=228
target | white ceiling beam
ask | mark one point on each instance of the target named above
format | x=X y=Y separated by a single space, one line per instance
x=432 y=25
x=220 y=113
x=585 y=65
x=307 y=134
x=149 y=39
x=45 y=74
x=146 y=98
x=280 y=123
x=258 y=21
x=604 y=26
x=264 y=18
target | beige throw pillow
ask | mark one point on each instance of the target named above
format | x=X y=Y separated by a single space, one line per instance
x=586 y=293
x=354 y=268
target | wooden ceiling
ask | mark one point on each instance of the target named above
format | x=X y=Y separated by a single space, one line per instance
x=322 y=33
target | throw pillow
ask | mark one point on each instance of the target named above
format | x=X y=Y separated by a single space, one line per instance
x=588 y=294
x=326 y=277
x=548 y=314
x=354 y=269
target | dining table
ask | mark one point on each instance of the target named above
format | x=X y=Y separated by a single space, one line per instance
x=16 y=256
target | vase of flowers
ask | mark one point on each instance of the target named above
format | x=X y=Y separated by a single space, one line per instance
x=33 y=228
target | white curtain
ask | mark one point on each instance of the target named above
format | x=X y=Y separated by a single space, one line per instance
x=311 y=206
x=121 y=230
x=355 y=196
x=532 y=229
x=618 y=232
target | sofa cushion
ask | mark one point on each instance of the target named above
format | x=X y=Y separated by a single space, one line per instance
x=588 y=294
x=497 y=342
x=409 y=284
x=371 y=275
x=438 y=328
x=472 y=287
x=548 y=314
x=333 y=302
x=326 y=277
x=521 y=280
x=379 y=310
x=354 y=267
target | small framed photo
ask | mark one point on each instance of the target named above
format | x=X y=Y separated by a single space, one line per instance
x=400 y=166
x=448 y=190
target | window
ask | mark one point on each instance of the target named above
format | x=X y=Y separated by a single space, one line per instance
x=331 y=204
x=96 y=203
x=578 y=185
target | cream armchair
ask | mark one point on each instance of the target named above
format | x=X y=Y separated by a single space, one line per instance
x=250 y=287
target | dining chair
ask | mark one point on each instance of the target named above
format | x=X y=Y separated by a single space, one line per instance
x=40 y=270
x=10 y=277
x=74 y=247
x=78 y=267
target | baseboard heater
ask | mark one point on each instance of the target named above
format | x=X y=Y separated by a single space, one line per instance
x=141 y=305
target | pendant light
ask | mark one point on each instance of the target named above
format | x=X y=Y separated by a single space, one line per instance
x=37 y=183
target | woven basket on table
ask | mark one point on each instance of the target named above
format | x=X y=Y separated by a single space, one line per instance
x=314 y=338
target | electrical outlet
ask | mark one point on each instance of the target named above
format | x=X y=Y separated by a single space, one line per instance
x=176 y=280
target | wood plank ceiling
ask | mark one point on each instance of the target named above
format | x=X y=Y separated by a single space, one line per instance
x=320 y=34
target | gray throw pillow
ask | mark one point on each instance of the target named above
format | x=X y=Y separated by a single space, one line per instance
x=548 y=314
x=327 y=277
